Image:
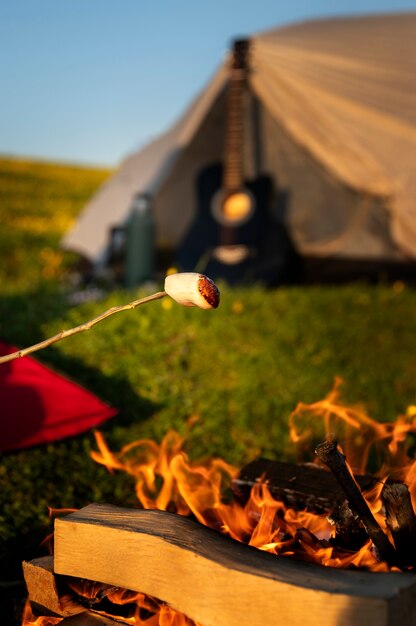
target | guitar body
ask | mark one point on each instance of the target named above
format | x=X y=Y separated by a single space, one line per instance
x=237 y=234
x=260 y=240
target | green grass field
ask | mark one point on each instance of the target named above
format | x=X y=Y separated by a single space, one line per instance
x=38 y=202
x=241 y=369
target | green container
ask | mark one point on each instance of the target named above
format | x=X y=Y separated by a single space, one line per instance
x=140 y=243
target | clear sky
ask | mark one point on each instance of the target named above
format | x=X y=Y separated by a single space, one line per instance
x=89 y=81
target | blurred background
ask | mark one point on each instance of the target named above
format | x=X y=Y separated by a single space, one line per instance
x=125 y=130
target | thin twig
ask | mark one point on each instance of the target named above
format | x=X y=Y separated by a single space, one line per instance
x=79 y=329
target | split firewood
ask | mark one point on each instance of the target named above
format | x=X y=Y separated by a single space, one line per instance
x=217 y=581
x=401 y=520
x=299 y=486
x=43 y=589
x=60 y=595
x=329 y=454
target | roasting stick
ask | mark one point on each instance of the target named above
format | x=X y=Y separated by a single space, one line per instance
x=187 y=288
x=330 y=455
x=79 y=329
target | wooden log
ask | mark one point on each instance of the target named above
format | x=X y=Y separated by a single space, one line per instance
x=217 y=581
x=299 y=486
x=401 y=520
x=330 y=455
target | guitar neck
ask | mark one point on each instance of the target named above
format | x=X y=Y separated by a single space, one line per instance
x=233 y=176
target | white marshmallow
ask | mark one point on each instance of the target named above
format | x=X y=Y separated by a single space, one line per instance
x=192 y=289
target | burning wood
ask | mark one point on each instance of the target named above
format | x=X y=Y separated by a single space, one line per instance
x=329 y=454
x=401 y=521
x=305 y=486
x=163 y=554
x=349 y=530
x=214 y=580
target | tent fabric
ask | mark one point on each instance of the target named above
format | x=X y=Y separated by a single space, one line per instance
x=345 y=91
x=39 y=406
x=337 y=102
x=141 y=172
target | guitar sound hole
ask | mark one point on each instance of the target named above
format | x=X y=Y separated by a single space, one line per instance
x=236 y=207
x=233 y=209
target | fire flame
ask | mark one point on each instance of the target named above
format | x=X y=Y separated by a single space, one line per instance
x=165 y=479
x=360 y=437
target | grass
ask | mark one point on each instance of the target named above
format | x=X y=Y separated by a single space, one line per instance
x=38 y=203
x=241 y=369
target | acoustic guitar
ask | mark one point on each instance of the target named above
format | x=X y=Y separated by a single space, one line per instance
x=234 y=232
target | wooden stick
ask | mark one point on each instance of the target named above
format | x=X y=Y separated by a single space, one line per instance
x=401 y=520
x=330 y=455
x=220 y=582
x=79 y=329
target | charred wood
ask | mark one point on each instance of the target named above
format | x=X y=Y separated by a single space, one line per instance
x=330 y=455
x=350 y=533
x=401 y=520
x=299 y=486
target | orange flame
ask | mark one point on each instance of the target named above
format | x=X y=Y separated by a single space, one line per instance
x=165 y=479
x=357 y=432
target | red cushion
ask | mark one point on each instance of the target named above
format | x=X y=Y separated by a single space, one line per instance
x=38 y=406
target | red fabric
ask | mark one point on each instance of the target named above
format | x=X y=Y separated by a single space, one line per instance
x=38 y=406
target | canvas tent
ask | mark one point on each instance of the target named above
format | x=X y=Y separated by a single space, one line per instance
x=331 y=117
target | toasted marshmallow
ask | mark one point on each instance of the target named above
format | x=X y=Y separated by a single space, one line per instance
x=192 y=289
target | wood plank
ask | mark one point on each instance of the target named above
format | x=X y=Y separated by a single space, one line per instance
x=219 y=582
x=299 y=486
x=42 y=588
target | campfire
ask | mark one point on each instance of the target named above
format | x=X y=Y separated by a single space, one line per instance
x=330 y=541
x=212 y=541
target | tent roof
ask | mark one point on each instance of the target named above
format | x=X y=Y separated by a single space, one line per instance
x=342 y=88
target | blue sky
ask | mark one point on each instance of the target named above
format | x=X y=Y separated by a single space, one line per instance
x=89 y=81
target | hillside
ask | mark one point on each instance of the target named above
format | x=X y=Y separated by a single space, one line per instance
x=38 y=203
